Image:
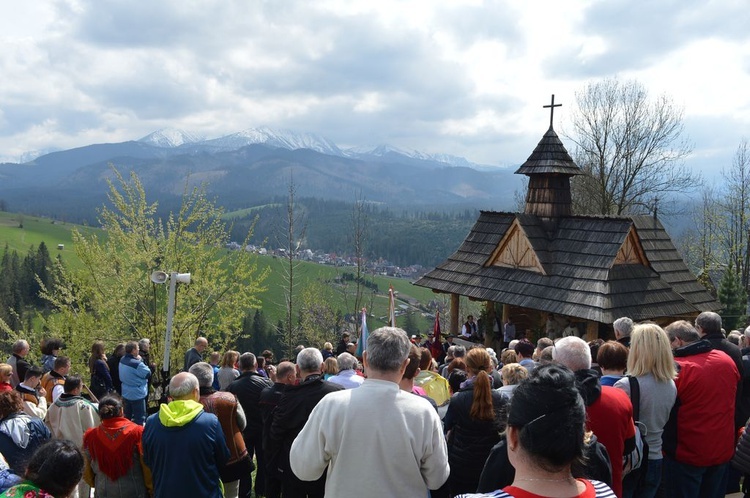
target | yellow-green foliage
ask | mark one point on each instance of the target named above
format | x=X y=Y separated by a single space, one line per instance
x=112 y=297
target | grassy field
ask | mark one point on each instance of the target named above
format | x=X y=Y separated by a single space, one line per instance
x=20 y=232
x=36 y=230
x=243 y=213
x=273 y=298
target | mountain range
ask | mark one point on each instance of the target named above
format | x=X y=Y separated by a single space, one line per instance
x=249 y=167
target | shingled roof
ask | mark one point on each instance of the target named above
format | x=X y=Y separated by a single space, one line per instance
x=549 y=157
x=594 y=268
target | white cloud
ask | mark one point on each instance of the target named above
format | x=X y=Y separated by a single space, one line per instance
x=460 y=77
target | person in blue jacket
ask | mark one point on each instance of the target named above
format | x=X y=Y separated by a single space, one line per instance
x=183 y=445
x=134 y=376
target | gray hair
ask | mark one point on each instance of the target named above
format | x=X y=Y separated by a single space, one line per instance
x=573 y=352
x=204 y=373
x=387 y=348
x=452 y=349
x=624 y=326
x=734 y=337
x=309 y=360
x=682 y=330
x=20 y=345
x=347 y=361
x=459 y=352
x=709 y=322
x=144 y=342
x=248 y=361
x=183 y=385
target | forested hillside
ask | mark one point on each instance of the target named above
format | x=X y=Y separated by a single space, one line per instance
x=404 y=237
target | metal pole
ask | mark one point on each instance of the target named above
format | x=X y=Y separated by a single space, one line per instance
x=170 y=315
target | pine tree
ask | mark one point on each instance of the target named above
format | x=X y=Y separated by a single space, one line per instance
x=410 y=324
x=734 y=299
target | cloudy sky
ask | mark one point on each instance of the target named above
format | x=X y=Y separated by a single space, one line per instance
x=461 y=77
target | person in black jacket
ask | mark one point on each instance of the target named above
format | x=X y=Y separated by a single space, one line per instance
x=113 y=362
x=289 y=418
x=247 y=387
x=343 y=343
x=473 y=423
x=269 y=400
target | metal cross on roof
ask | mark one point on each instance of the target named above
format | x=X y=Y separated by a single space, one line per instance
x=552 y=109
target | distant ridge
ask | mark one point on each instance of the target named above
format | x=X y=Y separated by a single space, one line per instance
x=252 y=167
x=291 y=140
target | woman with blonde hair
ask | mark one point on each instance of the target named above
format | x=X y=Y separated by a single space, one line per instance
x=651 y=366
x=330 y=367
x=6 y=371
x=513 y=374
x=473 y=422
x=227 y=371
x=327 y=350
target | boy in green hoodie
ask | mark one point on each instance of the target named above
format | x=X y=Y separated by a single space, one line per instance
x=183 y=445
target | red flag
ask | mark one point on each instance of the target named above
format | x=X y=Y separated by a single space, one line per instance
x=391 y=307
x=436 y=347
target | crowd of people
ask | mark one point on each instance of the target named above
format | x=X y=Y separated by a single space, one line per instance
x=655 y=412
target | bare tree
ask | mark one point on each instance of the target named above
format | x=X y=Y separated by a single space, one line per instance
x=630 y=147
x=358 y=239
x=700 y=245
x=290 y=237
x=735 y=203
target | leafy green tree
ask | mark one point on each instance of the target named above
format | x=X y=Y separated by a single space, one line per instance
x=112 y=297
x=317 y=319
x=734 y=298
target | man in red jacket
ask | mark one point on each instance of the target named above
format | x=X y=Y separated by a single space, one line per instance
x=699 y=436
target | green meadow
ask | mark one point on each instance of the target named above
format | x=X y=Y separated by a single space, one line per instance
x=20 y=232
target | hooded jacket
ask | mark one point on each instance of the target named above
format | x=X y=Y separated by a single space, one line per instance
x=20 y=436
x=609 y=414
x=183 y=428
x=700 y=429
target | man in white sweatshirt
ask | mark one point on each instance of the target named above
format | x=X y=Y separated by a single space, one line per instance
x=376 y=440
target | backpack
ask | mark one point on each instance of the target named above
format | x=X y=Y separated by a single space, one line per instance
x=741 y=459
x=636 y=462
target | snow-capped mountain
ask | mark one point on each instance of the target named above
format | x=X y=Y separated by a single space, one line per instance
x=292 y=140
x=286 y=139
x=33 y=154
x=385 y=149
x=170 y=137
